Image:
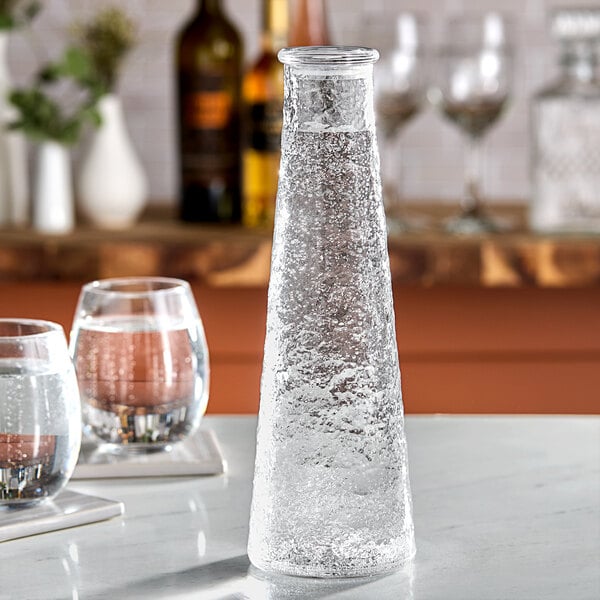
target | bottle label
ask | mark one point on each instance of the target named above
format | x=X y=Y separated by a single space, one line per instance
x=208 y=109
x=210 y=128
x=264 y=126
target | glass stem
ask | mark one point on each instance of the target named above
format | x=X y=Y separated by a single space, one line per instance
x=471 y=203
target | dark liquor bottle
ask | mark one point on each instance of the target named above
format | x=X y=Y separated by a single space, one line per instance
x=209 y=66
x=263 y=101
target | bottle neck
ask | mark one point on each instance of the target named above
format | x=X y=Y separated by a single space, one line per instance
x=212 y=7
x=579 y=61
x=274 y=25
x=309 y=26
x=320 y=99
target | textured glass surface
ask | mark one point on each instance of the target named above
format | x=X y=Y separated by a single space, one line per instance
x=567 y=163
x=331 y=492
x=566 y=130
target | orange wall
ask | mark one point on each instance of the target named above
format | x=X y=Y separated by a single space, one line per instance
x=470 y=350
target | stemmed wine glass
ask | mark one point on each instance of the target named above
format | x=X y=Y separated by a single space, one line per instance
x=400 y=92
x=473 y=90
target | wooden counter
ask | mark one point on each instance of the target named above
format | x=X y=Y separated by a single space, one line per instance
x=505 y=323
x=237 y=257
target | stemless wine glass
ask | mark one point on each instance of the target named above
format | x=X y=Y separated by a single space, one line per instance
x=473 y=90
x=40 y=412
x=400 y=90
x=142 y=363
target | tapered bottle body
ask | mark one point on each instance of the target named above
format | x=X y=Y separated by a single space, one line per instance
x=209 y=67
x=263 y=107
x=331 y=494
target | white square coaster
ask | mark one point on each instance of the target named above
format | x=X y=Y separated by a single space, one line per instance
x=68 y=509
x=197 y=455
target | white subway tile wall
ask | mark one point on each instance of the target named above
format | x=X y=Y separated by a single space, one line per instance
x=431 y=149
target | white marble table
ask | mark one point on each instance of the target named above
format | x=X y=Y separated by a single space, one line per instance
x=505 y=508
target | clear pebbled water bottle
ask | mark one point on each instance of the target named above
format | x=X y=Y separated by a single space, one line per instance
x=331 y=491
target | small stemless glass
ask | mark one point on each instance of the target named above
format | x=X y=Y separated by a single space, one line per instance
x=40 y=412
x=141 y=358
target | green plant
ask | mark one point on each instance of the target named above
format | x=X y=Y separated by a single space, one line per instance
x=15 y=13
x=107 y=39
x=62 y=100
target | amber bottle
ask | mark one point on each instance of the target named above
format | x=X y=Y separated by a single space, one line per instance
x=209 y=66
x=263 y=105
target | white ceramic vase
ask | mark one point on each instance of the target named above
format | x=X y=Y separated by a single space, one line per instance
x=112 y=186
x=14 y=189
x=53 y=210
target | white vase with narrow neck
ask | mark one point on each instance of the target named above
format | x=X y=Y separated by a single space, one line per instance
x=53 y=206
x=112 y=186
x=14 y=189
